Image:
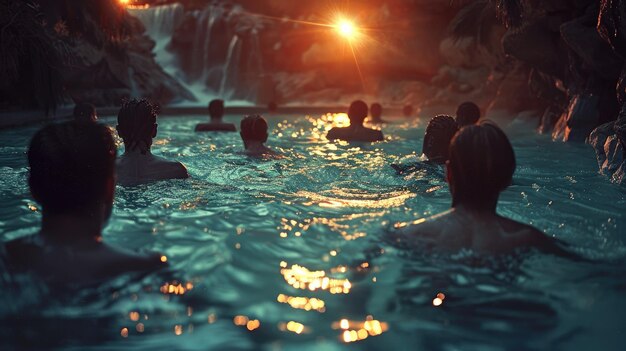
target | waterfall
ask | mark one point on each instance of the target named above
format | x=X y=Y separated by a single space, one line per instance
x=207 y=54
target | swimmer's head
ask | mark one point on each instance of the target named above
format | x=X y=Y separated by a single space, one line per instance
x=376 y=111
x=439 y=133
x=216 y=109
x=136 y=124
x=84 y=112
x=467 y=113
x=253 y=129
x=407 y=110
x=72 y=169
x=481 y=165
x=357 y=112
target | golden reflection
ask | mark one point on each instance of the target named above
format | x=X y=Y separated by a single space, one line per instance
x=241 y=320
x=438 y=301
x=163 y=258
x=333 y=223
x=360 y=330
x=134 y=316
x=124 y=332
x=178 y=329
x=253 y=324
x=293 y=327
x=176 y=288
x=392 y=199
x=303 y=303
x=301 y=278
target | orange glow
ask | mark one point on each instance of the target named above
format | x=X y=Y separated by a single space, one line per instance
x=346 y=29
x=302 y=303
x=124 y=332
x=355 y=330
x=163 y=258
x=301 y=278
x=253 y=324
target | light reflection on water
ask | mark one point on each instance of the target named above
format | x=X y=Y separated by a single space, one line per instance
x=255 y=248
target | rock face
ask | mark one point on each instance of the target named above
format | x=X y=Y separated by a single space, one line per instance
x=100 y=54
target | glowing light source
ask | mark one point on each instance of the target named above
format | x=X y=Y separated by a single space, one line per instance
x=346 y=29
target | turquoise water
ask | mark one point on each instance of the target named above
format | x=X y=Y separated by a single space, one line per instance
x=251 y=241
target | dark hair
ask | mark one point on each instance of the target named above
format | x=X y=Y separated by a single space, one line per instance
x=376 y=110
x=70 y=165
x=482 y=163
x=357 y=112
x=84 y=112
x=254 y=127
x=135 y=122
x=216 y=108
x=439 y=133
x=467 y=113
x=407 y=110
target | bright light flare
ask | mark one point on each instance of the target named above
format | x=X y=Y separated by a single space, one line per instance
x=347 y=29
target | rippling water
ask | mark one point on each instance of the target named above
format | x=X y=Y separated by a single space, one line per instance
x=289 y=253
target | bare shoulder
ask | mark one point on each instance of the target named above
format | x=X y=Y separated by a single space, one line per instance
x=174 y=169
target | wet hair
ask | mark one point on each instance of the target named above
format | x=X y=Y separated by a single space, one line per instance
x=254 y=128
x=407 y=110
x=467 y=113
x=439 y=133
x=216 y=109
x=376 y=110
x=357 y=112
x=272 y=106
x=482 y=163
x=84 y=112
x=136 y=121
x=70 y=166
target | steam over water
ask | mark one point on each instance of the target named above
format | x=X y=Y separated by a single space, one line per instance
x=290 y=254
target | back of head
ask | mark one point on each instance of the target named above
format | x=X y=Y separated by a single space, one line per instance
x=136 y=123
x=482 y=163
x=216 y=109
x=439 y=133
x=376 y=110
x=357 y=112
x=467 y=113
x=84 y=112
x=72 y=167
x=254 y=128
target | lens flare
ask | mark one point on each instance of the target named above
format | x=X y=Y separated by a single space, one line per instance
x=346 y=29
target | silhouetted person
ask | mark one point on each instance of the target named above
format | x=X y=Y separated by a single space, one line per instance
x=376 y=113
x=272 y=107
x=84 y=112
x=356 y=131
x=467 y=113
x=439 y=133
x=254 y=135
x=216 y=112
x=136 y=125
x=481 y=165
x=72 y=177
x=435 y=149
x=407 y=111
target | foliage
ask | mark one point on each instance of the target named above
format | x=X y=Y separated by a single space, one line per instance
x=31 y=58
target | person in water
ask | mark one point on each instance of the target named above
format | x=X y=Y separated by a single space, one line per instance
x=136 y=125
x=481 y=165
x=439 y=133
x=376 y=113
x=435 y=148
x=216 y=112
x=84 y=112
x=356 y=131
x=72 y=178
x=467 y=113
x=254 y=135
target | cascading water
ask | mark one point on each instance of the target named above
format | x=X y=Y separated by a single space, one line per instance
x=209 y=51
